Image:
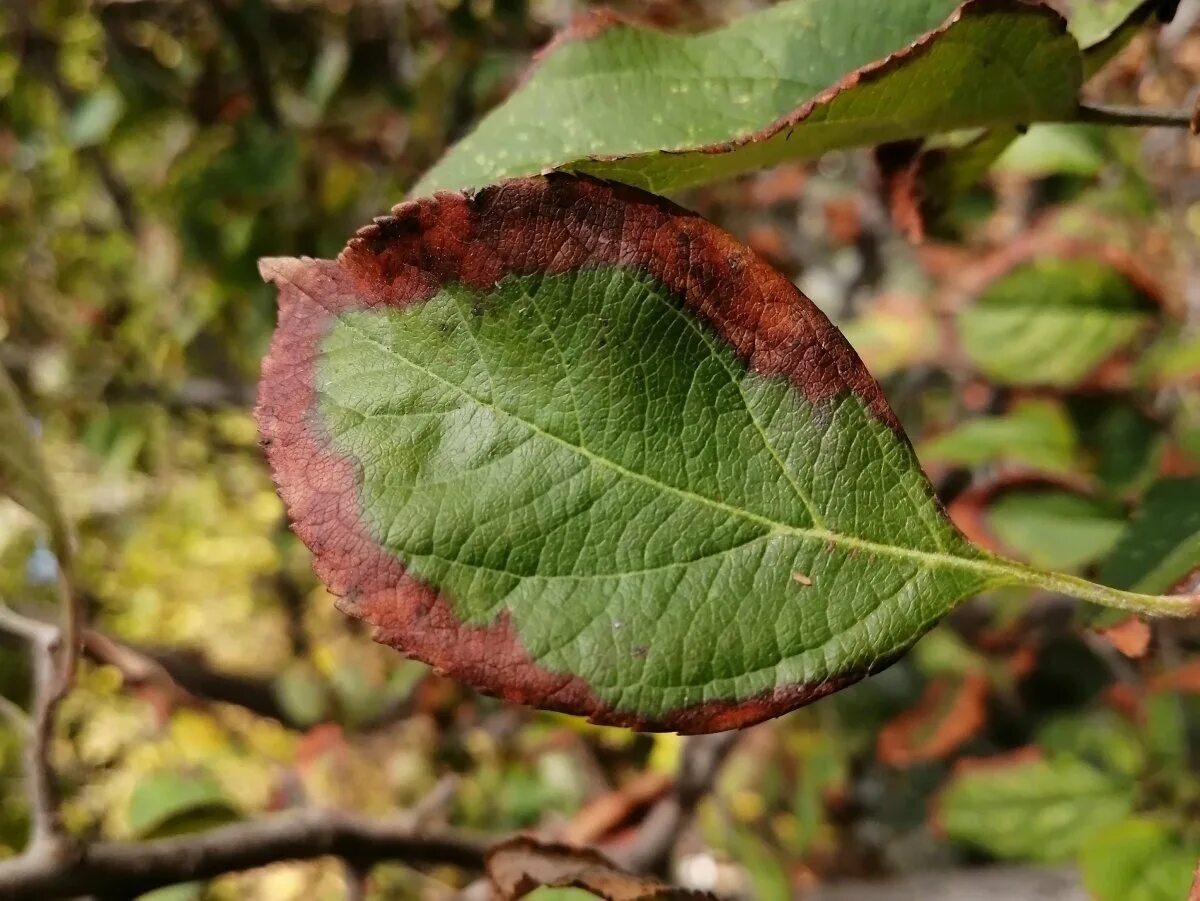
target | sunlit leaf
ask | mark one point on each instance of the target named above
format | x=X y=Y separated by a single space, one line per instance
x=664 y=111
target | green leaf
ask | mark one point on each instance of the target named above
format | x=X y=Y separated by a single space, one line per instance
x=1053 y=321
x=583 y=450
x=1136 y=860
x=1054 y=528
x=1065 y=149
x=1036 y=434
x=172 y=803
x=303 y=693
x=1029 y=808
x=665 y=111
x=23 y=475
x=1160 y=552
x=1095 y=21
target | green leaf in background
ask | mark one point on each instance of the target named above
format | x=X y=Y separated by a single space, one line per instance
x=664 y=111
x=1124 y=442
x=172 y=803
x=1054 y=528
x=1174 y=359
x=1036 y=434
x=1137 y=860
x=23 y=475
x=1161 y=550
x=1053 y=321
x=582 y=449
x=1056 y=149
x=303 y=693
x=1029 y=808
x=1102 y=738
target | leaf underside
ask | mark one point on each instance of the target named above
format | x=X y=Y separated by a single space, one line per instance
x=582 y=450
x=663 y=111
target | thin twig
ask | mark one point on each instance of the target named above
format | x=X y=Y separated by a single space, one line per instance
x=1111 y=114
x=44 y=642
x=127 y=869
x=665 y=824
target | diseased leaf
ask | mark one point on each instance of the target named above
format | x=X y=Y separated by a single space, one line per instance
x=1136 y=860
x=1160 y=552
x=23 y=475
x=664 y=111
x=1036 y=434
x=581 y=449
x=1053 y=319
x=1029 y=808
x=519 y=867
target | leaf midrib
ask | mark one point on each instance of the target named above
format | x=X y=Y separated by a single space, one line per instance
x=996 y=571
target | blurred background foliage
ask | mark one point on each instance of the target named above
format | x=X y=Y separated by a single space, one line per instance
x=152 y=150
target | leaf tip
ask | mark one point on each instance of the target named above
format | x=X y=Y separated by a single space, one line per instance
x=279 y=269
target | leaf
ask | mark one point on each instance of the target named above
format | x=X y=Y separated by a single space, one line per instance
x=1053 y=319
x=23 y=475
x=1136 y=860
x=1025 y=807
x=663 y=111
x=1160 y=552
x=520 y=866
x=1036 y=434
x=1064 y=149
x=172 y=803
x=580 y=449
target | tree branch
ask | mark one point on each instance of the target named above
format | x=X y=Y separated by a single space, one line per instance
x=126 y=869
x=651 y=850
x=184 y=676
x=44 y=642
x=1111 y=114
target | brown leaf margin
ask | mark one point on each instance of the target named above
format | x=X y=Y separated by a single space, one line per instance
x=553 y=223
